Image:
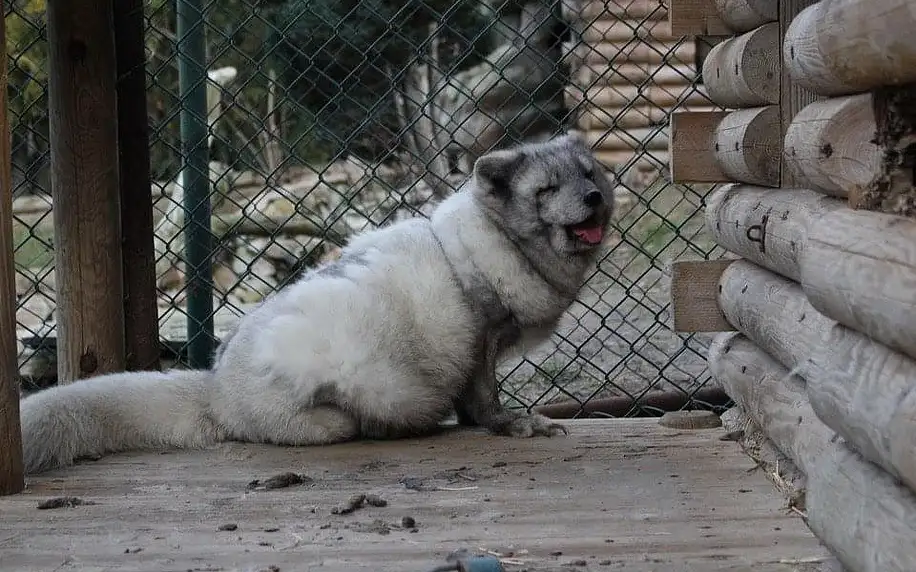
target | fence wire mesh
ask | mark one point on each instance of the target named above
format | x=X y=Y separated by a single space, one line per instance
x=327 y=117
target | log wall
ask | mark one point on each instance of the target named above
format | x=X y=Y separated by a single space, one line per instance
x=817 y=297
x=628 y=71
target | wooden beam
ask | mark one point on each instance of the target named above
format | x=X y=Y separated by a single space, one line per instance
x=843 y=47
x=11 y=469
x=84 y=183
x=859 y=268
x=695 y=18
x=745 y=15
x=743 y=71
x=664 y=96
x=773 y=312
x=764 y=225
x=591 y=117
x=748 y=145
x=830 y=146
x=617 y=53
x=649 y=138
x=603 y=9
x=690 y=147
x=141 y=312
x=695 y=296
x=861 y=513
x=793 y=97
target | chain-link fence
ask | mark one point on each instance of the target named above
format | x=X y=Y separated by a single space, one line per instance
x=326 y=117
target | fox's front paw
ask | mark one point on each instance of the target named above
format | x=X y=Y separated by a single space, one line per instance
x=534 y=425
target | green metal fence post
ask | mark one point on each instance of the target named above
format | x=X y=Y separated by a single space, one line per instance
x=192 y=87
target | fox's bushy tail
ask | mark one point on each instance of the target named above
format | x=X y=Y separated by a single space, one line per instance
x=117 y=412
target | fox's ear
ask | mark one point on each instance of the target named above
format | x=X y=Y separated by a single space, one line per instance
x=494 y=171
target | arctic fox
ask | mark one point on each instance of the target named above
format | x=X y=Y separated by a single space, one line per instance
x=402 y=331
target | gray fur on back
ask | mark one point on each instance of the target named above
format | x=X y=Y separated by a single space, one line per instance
x=403 y=330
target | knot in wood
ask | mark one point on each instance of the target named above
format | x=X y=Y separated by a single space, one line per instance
x=77 y=50
x=89 y=362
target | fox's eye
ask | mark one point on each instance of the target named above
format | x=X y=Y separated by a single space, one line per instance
x=589 y=174
x=547 y=189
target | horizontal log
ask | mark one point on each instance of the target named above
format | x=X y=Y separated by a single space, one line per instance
x=747 y=145
x=691 y=147
x=745 y=15
x=650 y=138
x=589 y=76
x=744 y=71
x=627 y=30
x=590 y=10
x=864 y=391
x=652 y=159
x=606 y=53
x=773 y=312
x=829 y=146
x=859 y=268
x=861 y=513
x=764 y=225
x=695 y=18
x=841 y=47
x=592 y=117
x=664 y=96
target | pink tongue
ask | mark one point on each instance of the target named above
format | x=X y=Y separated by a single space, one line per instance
x=590 y=234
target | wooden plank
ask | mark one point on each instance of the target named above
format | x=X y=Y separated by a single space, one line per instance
x=651 y=138
x=748 y=145
x=859 y=268
x=589 y=76
x=590 y=10
x=141 y=314
x=764 y=225
x=695 y=296
x=830 y=146
x=664 y=96
x=84 y=184
x=617 y=53
x=742 y=71
x=861 y=389
x=591 y=117
x=496 y=493
x=695 y=18
x=11 y=470
x=627 y=29
x=793 y=96
x=860 y=512
x=745 y=15
x=691 y=147
x=843 y=47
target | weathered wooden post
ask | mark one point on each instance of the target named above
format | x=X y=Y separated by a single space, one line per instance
x=84 y=184
x=11 y=477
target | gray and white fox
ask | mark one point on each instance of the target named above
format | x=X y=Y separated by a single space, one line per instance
x=402 y=331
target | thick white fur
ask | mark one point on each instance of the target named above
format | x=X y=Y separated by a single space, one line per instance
x=384 y=343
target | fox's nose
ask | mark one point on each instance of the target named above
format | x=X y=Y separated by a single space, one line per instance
x=593 y=198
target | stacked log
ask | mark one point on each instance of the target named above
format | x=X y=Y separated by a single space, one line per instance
x=821 y=298
x=628 y=71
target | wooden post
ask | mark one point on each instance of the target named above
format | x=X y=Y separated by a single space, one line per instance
x=792 y=97
x=141 y=314
x=11 y=471
x=84 y=184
